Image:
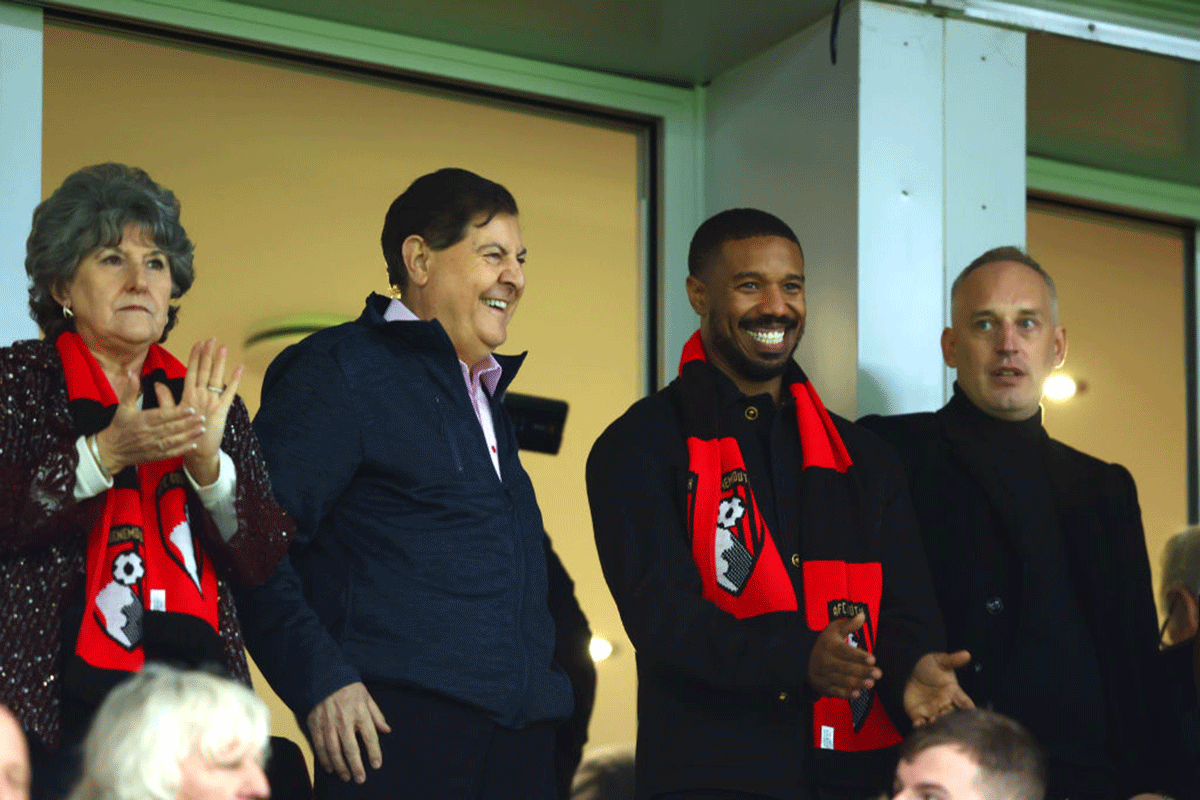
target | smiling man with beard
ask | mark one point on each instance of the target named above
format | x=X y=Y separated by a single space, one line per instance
x=1036 y=550
x=763 y=554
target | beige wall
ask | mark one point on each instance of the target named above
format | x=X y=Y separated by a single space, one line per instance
x=285 y=175
x=1120 y=287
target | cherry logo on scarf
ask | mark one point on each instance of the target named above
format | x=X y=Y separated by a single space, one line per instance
x=739 y=535
x=739 y=565
x=178 y=542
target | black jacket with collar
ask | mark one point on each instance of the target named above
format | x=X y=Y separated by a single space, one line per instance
x=963 y=513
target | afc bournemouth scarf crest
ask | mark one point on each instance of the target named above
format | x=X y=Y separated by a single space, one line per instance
x=122 y=567
x=863 y=639
x=740 y=567
x=739 y=535
x=836 y=590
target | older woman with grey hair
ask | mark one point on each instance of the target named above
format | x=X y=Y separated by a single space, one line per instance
x=134 y=496
x=168 y=734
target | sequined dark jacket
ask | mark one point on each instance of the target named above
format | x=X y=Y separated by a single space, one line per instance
x=43 y=533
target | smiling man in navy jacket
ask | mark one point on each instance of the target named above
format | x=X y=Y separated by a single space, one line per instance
x=412 y=612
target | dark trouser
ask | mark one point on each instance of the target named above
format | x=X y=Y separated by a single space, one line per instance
x=439 y=748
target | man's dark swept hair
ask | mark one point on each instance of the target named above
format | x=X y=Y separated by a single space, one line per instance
x=1009 y=253
x=730 y=226
x=1011 y=765
x=89 y=211
x=438 y=207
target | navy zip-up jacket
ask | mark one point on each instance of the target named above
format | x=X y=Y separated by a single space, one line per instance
x=413 y=563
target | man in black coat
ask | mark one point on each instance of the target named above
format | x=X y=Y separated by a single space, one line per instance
x=1036 y=549
x=762 y=554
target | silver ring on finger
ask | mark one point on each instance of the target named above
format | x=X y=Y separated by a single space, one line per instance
x=162 y=446
x=216 y=389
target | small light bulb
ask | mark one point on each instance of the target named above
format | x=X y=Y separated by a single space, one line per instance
x=600 y=649
x=1059 y=387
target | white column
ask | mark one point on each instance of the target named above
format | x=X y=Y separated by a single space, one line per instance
x=943 y=122
x=901 y=210
x=984 y=146
x=20 y=159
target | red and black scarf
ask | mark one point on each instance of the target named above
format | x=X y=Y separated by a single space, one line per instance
x=150 y=590
x=741 y=569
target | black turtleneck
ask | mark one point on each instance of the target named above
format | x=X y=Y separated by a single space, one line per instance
x=1052 y=678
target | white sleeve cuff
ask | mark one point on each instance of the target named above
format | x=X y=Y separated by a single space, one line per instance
x=218 y=497
x=89 y=480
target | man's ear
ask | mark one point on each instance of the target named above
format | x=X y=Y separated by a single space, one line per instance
x=1185 y=607
x=1060 y=345
x=416 y=260
x=697 y=294
x=948 y=348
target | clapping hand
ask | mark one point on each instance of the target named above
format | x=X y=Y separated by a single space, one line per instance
x=837 y=668
x=193 y=428
x=205 y=390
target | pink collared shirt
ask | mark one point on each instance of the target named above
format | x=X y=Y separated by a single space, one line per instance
x=487 y=374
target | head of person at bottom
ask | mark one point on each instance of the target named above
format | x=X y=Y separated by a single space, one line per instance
x=1005 y=336
x=746 y=281
x=453 y=248
x=14 y=758
x=1180 y=593
x=970 y=755
x=168 y=734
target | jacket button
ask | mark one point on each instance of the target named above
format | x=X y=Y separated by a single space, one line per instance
x=751 y=413
x=795 y=559
x=994 y=605
x=978 y=667
x=783 y=696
